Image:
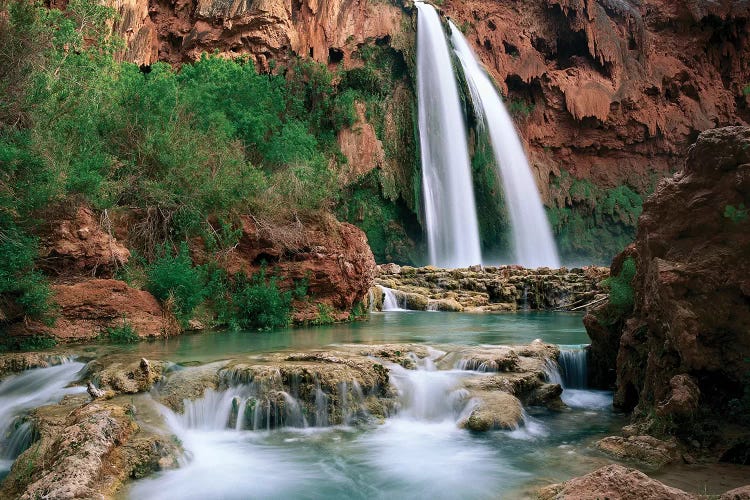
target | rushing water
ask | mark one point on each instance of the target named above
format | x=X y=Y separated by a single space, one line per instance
x=418 y=452
x=532 y=235
x=23 y=392
x=391 y=300
x=450 y=212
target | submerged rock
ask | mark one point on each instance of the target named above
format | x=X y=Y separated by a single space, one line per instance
x=645 y=449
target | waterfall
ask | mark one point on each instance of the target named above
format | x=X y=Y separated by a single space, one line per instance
x=573 y=368
x=570 y=370
x=449 y=208
x=25 y=391
x=391 y=300
x=532 y=235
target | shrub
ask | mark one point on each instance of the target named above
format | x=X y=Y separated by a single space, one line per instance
x=121 y=334
x=621 y=295
x=175 y=277
x=259 y=304
x=32 y=343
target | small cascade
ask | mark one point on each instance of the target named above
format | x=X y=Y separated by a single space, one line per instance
x=392 y=301
x=532 y=235
x=25 y=391
x=370 y=300
x=267 y=401
x=429 y=394
x=449 y=208
x=573 y=368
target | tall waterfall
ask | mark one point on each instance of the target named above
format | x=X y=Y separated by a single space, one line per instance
x=450 y=211
x=532 y=235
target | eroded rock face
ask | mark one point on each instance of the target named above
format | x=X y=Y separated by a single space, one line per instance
x=614 y=89
x=505 y=288
x=613 y=481
x=332 y=256
x=683 y=351
x=264 y=30
x=88 y=308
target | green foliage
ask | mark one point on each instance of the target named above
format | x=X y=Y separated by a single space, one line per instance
x=173 y=278
x=325 y=315
x=259 y=304
x=594 y=224
x=736 y=214
x=121 y=334
x=25 y=344
x=520 y=108
x=621 y=296
x=380 y=219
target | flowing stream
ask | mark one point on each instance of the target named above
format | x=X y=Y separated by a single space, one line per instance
x=233 y=451
x=532 y=235
x=449 y=208
x=23 y=392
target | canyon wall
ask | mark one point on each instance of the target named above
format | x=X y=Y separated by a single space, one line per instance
x=682 y=349
x=607 y=95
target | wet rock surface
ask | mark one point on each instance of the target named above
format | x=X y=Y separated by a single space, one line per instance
x=647 y=450
x=86 y=450
x=505 y=288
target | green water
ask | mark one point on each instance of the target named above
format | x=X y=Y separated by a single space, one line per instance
x=389 y=327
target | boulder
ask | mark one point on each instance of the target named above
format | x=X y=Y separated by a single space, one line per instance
x=613 y=482
x=644 y=449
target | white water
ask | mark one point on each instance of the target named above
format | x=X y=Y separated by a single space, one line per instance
x=571 y=372
x=450 y=211
x=418 y=453
x=23 y=392
x=391 y=301
x=532 y=235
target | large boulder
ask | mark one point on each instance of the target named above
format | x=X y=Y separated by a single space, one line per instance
x=333 y=257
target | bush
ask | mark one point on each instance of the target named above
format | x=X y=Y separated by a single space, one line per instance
x=23 y=344
x=259 y=304
x=121 y=334
x=621 y=296
x=173 y=277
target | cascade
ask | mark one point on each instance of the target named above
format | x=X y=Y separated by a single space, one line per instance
x=25 y=391
x=391 y=300
x=573 y=368
x=449 y=208
x=533 y=243
x=570 y=370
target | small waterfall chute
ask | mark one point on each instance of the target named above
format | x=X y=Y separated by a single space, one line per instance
x=392 y=301
x=27 y=390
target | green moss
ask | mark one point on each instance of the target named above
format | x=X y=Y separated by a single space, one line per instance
x=621 y=287
x=592 y=224
x=736 y=214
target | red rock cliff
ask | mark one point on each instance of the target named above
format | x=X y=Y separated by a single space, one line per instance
x=684 y=354
x=618 y=88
